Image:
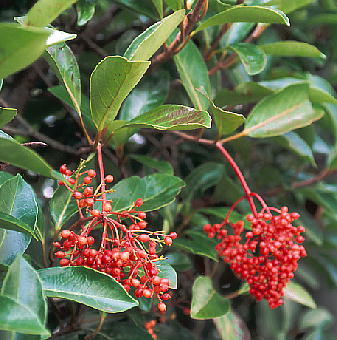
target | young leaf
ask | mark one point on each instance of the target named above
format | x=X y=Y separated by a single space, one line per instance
x=64 y=61
x=256 y=14
x=111 y=81
x=156 y=190
x=14 y=153
x=20 y=46
x=87 y=286
x=23 y=304
x=253 y=58
x=147 y=43
x=206 y=302
x=85 y=11
x=194 y=74
x=172 y=117
x=295 y=292
x=6 y=115
x=45 y=11
x=279 y=113
x=290 y=48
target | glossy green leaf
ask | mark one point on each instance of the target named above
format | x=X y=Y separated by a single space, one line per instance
x=85 y=11
x=290 y=48
x=236 y=33
x=206 y=302
x=162 y=166
x=151 y=92
x=111 y=81
x=147 y=43
x=230 y=327
x=23 y=157
x=256 y=14
x=68 y=72
x=179 y=261
x=194 y=74
x=167 y=271
x=296 y=292
x=62 y=206
x=4 y=176
x=57 y=37
x=87 y=286
x=279 y=113
x=294 y=142
x=20 y=46
x=253 y=58
x=23 y=307
x=156 y=190
x=9 y=222
x=175 y=5
x=197 y=243
x=46 y=11
x=172 y=117
x=288 y=6
x=6 y=115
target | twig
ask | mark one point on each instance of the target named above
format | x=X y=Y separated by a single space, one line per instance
x=99 y=327
x=35 y=144
x=324 y=173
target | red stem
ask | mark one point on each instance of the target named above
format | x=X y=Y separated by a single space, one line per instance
x=101 y=170
x=240 y=176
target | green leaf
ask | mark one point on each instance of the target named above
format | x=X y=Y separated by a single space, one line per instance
x=279 y=113
x=162 y=166
x=290 y=48
x=294 y=142
x=156 y=190
x=111 y=81
x=194 y=74
x=230 y=327
x=197 y=243
x=46 y=11
x=206 y=302
x=175 y=5
x=144 y=7
x=16 y=154
x=179 y=261
x=20 y=46
x=63 y=59
x=288 y=6
x=87 y=286
x=62 y=206
x=254 y=14
x=316 y=318
x=6 y=115
x=158 y=4
x=167 y=271
x=296 y=292
x=24 y=309
x=172 y=117
x=9 y=222
x=147 y=43
x=57 y=37
x=253 y=58
x=85 y=11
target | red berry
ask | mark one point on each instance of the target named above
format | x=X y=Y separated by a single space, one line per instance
x=60 y=254
x=63 y=169
x=142 y=224
x=90 y=202
x=77 y=195
x=65 y=233
x=139 y=202
x=173 y=235
x=142 y=215
x=167 y=240
x=90 y=240
x=147 y=293
x=68 y=173
x=87 y=180
x=95 y=213
x=109 y=179
x=91 y=173
x=60 y=182
x=161 y=307
x=107 y=207
x=144 y=238
x=72 y=181
x=88 y=191
x=64 y=262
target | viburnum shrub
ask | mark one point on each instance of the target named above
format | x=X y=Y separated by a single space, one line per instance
x=126 y=250
x=266 y=254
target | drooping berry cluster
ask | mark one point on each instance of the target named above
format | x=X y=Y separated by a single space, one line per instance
x=126 y=250
x=266 y=257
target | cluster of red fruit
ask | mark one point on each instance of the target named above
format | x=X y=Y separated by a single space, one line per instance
x=127 y=251
x=268 y=254
x=149 y=326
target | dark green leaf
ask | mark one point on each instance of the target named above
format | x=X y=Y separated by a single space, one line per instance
x=87 y=286
x=206 y=302
x=288 y=6
x=175 y=5
x=23 y=304
x=158 y=4
x=157 y=191
x=46 y=11
x=296 y=292
x=253 y=58
x=20 y=46
x=179 y=261
x=6 y=115
x=65 y=62
x=246 y=14
x=161 y=166
x=147 y=43
x=9 y=222
x=167 y=271
x=111 y=81
x=290 y=48
x=144 y=7
x=194 y=74
x=172 y=117
x=279 y=113
x=85 y=11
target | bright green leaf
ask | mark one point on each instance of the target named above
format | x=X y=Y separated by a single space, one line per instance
x=6 y=115
x=253 y=58
x=57 y=37
x=85 y=11
x=46 y=11
x=87 y=286
x=288 y=6
x=206 y=302
x=20 y=46
x=111 y=81
x=256 y=14
x=295 y=292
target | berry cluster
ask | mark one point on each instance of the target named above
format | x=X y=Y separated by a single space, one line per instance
x=149 y=326
x=126 y=250
x=266 y=257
